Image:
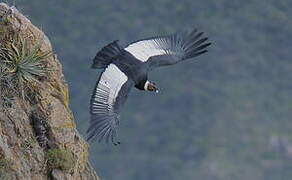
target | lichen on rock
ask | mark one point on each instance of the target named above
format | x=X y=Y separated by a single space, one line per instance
x=36 y=125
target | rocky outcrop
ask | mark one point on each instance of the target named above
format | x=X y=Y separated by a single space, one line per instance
x=38 y=138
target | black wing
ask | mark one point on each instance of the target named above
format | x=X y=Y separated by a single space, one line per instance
x=109 y=95
x=167 y=50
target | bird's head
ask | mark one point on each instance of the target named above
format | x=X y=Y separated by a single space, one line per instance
x=149 y=86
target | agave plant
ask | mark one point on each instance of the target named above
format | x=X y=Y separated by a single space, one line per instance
x=22 y=63
x=25 y=63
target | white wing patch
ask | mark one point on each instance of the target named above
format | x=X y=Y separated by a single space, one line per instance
x=105 y=104
x=110 y=83
x=142 y=50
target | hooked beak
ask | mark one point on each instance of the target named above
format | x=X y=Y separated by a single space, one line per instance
x=149 y=86
x=157 y=91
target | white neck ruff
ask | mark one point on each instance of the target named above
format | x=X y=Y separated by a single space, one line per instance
x=146 y=85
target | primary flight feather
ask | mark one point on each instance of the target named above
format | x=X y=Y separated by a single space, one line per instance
x=125 y=67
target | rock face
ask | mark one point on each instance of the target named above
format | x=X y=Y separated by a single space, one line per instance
x=38 y=138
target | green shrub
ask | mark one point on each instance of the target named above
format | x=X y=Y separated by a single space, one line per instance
x=60 y=159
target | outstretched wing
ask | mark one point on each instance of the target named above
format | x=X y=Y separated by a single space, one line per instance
x=109 y=95
x=167 y=50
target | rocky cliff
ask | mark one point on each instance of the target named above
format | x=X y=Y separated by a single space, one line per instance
x=38 y=137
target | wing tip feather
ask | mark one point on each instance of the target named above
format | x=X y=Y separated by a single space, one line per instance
x=195 y=45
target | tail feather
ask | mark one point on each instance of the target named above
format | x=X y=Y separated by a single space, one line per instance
x=106 y=55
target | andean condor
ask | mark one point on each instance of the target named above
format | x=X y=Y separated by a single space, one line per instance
x=125 y=67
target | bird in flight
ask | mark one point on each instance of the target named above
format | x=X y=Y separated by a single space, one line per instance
x=127 y=67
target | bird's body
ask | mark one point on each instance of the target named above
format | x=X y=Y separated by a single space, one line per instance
x=131 y=66
x=128 y=67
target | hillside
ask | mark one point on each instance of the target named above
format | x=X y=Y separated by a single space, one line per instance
x=38 y=136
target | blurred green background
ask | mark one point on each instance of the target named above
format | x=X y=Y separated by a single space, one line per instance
x=223 y=116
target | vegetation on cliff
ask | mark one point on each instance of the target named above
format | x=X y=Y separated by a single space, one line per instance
x=38 y=139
